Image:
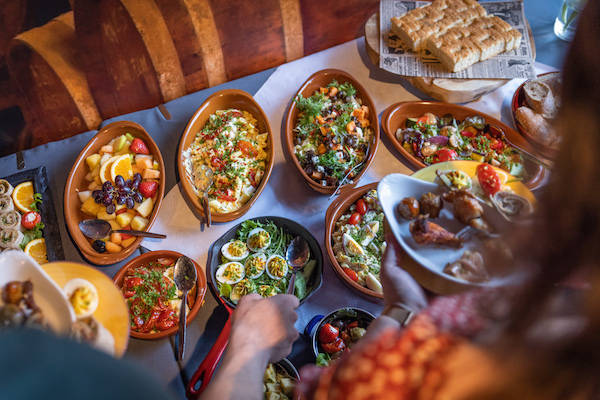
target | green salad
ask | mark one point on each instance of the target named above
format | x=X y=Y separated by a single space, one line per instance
x=332 y=134
x=254 y=262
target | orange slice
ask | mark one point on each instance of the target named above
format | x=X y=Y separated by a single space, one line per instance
x=37 y=249
x=105 y=169
x=121 y=166
x=22 y=196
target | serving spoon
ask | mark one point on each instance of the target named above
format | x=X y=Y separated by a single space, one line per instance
x=296 y=256
x=99 y=228
x=203 y=180
x=185 y=277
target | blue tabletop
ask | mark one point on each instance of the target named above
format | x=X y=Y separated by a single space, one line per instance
x=157 y=356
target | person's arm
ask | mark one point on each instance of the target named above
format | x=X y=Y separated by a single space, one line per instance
x=262 y=331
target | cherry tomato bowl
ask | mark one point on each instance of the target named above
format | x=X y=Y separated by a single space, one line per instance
x=345 y=315
x=337 y=208
x=154 y=256
x=396 y=115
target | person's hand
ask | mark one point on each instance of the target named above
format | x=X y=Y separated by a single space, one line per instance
x=265 y=325
x=399 y=287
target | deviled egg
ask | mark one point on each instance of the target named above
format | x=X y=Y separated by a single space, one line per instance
x=277 y=267
x=255 y=265
x=351 y=246
x=82 y=296
x=230 y=273
x=267 y=290
x=235 y=250
x=258 y=239
x=241 y=289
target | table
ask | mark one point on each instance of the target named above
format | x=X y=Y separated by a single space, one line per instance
x=157 y=356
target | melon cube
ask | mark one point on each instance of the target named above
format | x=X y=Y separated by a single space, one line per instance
x=150 y=174
x=145 y=207
x=139 y=223
x=113 y=247
x=83 y=196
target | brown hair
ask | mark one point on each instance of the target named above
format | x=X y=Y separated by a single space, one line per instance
x=565 y=239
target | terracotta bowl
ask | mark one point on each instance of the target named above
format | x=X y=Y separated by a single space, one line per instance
x=394 y=117
x=222 y=100
x=312 y=84
x=518 y=100
x=151 y=256
x=336 y=209
x=76 y=180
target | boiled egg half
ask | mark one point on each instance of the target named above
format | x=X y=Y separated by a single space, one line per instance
x=82 y=296
x=258 y=239
x=351 y=246
x=235 y=250
x=230 y=273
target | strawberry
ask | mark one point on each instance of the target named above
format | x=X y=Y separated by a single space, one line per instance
x=148 y=188
x=139 y=147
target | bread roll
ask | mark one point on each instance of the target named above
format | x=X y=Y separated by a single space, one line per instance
x=539 y=97
x=537 y=127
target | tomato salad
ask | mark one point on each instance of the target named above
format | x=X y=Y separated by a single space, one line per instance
x=152 y=297
x=434 y=139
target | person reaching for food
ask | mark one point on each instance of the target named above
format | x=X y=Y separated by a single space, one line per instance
x=262 y=331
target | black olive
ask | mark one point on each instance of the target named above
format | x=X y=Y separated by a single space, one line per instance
x=99 y=246
x=309 y=170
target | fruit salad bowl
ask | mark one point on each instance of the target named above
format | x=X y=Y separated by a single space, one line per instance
x=118 y=177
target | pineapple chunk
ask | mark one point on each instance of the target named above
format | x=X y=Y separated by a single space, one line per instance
x=127 y=242
x=155 y=165
x=102 y=214
x=114 y=225
x=93 y=161
x=150 y=174
x=93 y=186
x=120 y=207
x=113 y=247
x=124 y=219
x=106 y=149
x=90 y=207
x=145 y=207
x=138 y=223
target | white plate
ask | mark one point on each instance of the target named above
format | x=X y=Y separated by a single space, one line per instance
x=18 y=266
x=433 y=258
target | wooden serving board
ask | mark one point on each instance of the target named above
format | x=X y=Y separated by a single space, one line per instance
x=444 y=89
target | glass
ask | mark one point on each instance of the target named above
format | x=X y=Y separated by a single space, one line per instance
x=566 y=21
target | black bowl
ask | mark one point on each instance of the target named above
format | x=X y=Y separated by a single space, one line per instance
x=364 y=319
x=295 y=229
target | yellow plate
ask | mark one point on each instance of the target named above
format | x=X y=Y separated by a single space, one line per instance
x=112 y=311
x=469 y=167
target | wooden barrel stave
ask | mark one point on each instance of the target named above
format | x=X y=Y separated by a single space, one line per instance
x=56 y=101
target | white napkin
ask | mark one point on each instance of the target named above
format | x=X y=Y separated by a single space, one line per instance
x=286 y=194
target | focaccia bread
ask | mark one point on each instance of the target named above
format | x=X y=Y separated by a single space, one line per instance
x=414 y=27
x=482 y=38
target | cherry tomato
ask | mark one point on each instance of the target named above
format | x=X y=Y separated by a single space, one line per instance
x=444 y=155
x=128 y=293
x=361 y=207
x=334 y=347
x=497 y=145
x=133 y=281
x=151 y=322
x=467 y=133
x=353 y=324
x=216 y=162
x=488 y=179
x=328 y=333
x=354 y=219
x=246 y=148
x=31 y=219
x=166 y=320
x=351 y=273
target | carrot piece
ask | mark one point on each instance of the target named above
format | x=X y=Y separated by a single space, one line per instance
x=350 y=127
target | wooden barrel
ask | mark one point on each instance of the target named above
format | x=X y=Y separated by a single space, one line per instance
x=12 y=21
x=140 y=53
x=55 y=98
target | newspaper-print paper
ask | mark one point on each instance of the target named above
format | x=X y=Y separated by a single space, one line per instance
x=514 y=64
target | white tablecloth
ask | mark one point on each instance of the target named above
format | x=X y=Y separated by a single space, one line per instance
x=286 y=194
